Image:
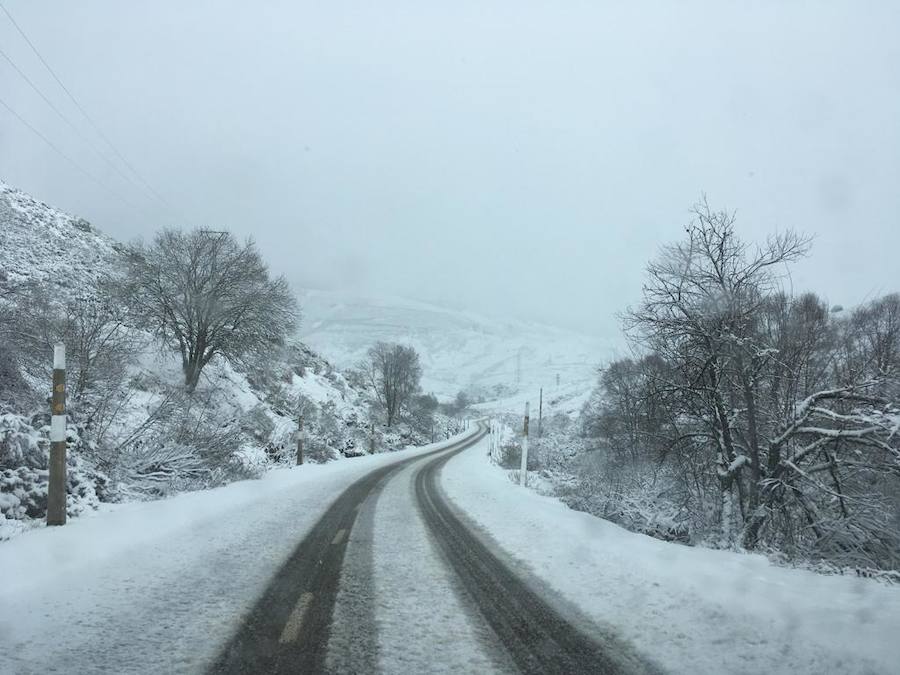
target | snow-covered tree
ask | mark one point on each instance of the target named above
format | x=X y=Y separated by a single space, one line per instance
x=207 y=295
x=393 y=372
x=782 y=411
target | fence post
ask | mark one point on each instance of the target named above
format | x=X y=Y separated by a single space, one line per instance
x=56 y=490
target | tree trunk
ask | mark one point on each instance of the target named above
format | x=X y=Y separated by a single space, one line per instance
x=752 y=437
x=750 y=536
x=191 y=368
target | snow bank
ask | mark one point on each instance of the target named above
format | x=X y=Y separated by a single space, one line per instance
x=692 y=610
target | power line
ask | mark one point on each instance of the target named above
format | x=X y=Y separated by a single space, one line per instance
x=64 y=155
x=81 y=109
x=65 y=119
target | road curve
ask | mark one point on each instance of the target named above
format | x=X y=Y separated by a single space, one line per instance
x=287 y=631
x=537 y=637
x=289 y=628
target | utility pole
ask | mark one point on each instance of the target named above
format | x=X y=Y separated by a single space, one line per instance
x=519 y=367
x=540 y=411
x=300 y=440
x=56 y=490
x=557 y=380
x=432 y=431
x=524 y=468
x=372 y=438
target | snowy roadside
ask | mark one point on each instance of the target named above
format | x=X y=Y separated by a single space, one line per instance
x=691 y=610
x=159 y=586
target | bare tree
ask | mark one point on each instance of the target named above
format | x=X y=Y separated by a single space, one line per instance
x=699 y=312
x=393 y=372
x=767 y=410
x=207 y=295
x=94 y=325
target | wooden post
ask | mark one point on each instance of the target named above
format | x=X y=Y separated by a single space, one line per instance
x=523 y=471
x=540 y=411
x=300 y=440
x=372 y=439
x=56 y=491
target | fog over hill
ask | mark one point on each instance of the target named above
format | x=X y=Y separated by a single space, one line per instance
x=460 y=350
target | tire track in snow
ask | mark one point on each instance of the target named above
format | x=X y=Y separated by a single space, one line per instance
x=288 y=629
x=538 y=638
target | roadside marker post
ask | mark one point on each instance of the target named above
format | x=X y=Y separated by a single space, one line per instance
x=300 y=437
x=523 y=471
x=56 y=490
x=491 y=452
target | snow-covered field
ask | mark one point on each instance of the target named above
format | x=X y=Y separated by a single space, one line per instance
x=692 y=610
x=158 y=587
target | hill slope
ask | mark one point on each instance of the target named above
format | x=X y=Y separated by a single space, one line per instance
x=489 y=357
x=141 y=436
x=41 y=244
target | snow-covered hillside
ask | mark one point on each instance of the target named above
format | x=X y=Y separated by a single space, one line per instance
x=130 y=440
x=491 y=357
x=41 y=244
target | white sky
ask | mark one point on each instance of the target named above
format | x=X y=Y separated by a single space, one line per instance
x=515 y=158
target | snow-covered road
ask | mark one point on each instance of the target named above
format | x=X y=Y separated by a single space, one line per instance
x=159 y=587
x=163 y=587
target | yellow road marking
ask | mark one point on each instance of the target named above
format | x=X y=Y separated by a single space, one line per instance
x=339 y=537
x=295 y=620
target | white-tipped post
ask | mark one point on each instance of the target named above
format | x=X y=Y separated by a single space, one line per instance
x=59 y=356
x=56 y=488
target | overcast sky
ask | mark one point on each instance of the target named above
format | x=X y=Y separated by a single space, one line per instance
x=513 y=158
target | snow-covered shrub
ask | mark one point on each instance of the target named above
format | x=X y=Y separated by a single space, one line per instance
x=636 y=507
x=158 y=469
x=317 y=451
x=23 y=490
x=511 y=455
x=20 y=443
x=257 y=424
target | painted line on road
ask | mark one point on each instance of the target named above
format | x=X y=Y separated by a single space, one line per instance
x=339 y=537
x=295 y=620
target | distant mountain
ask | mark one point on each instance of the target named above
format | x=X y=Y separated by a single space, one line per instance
x=493 y=357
